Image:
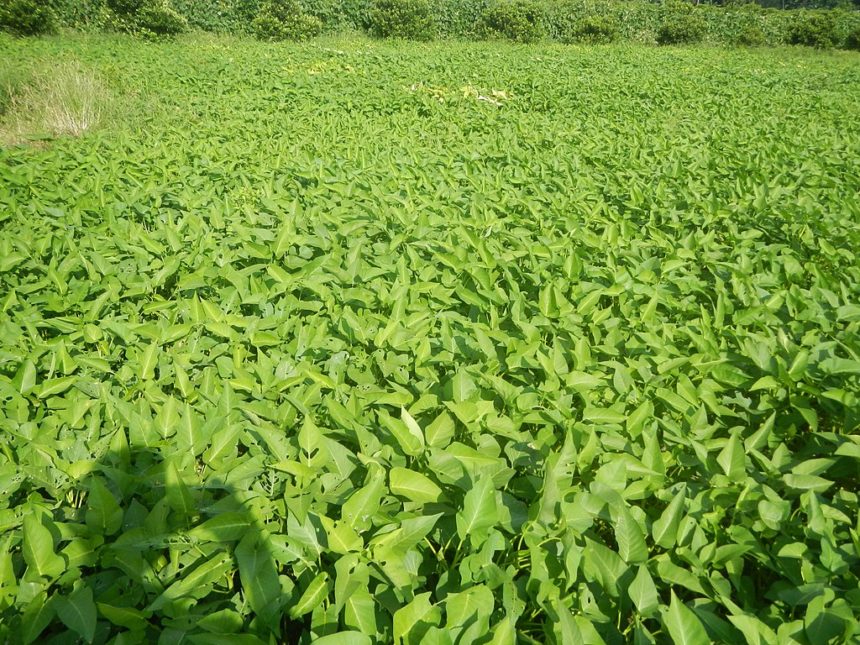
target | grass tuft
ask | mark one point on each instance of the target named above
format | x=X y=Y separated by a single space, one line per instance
x=62 y=100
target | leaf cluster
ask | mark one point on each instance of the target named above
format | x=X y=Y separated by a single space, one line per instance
x=27 y=18
x=408 y=19
x=520 y=21
x=147 y=18
x=285 y=20
x=680 y=25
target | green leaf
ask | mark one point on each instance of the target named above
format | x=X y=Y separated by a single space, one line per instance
x=602 y=415
x=342 y=538
x=287 y=234
x=755 y=631
x=78 y=612
x=37 y=615
x=127 y=617
x=409 y=440
x=636 y=421
x=440 y=431
x=104 y=515
x=363 y=504
x=798 y=365
x=226 y=527
x=603 y=565
x=807 y=482
x=413 y=486
x=25 y=378
x=223 y=443
x=309 y=439
x=463 y=388
x=196 y=583
x=259 y=575
x=567 y=628
x=148 y=361
x=732 y=459
x=189 y=434
x=178 y=496
x=820 y=624
x=412 y=426
x=643 y=593
x=479 y=513
x=54 y=386
x=665 y=529
x=468 y=613
x=683 y=625
x=413 y=620
x=360 y=612
x=411 y=531
x=628 y=535
x=504 y=632
x=836 y=365
x=38 y=549
x=558 y=474
x=344 y=638
x=313 y=596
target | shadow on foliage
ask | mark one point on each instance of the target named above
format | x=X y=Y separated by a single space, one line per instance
x=150 y=549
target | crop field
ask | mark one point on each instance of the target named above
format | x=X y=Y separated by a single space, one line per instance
x=355 y=342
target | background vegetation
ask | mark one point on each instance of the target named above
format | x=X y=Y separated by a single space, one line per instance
x=594 y=21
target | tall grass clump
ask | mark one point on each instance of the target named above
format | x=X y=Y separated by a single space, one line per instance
x=64 y=99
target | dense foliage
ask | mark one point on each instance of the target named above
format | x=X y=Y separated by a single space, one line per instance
x=285 y=20
x=234 y=16
x=680 y=25
x=151 y=18
x=750 y=36
x=27 y=17
x=561 y=20
x=521 y=21
x=593 y=29
x=409 y=19
x=160 y=19
x=126 y=7
x=525 y=344
x=815 y=30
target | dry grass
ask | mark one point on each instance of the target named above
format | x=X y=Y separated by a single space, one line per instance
x=65 y=99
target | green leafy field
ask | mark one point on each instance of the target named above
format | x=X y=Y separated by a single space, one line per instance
x=449 y=343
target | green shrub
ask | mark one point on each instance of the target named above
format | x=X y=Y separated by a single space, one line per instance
x=299 y=27
x=410 y=19
x=235 y=16
x=161 y=20
x=741 y=23
x=750 y=36
x=636 y=20
x=518 y=20
x=853 y=39
x=147 y=18
x=814 y=29
x=338 y=15
x=285 y=20
x=457 y=18
x=594 y=30
x=27 y=17
x=680 y=25
x=126 y=8
x=80 y=14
